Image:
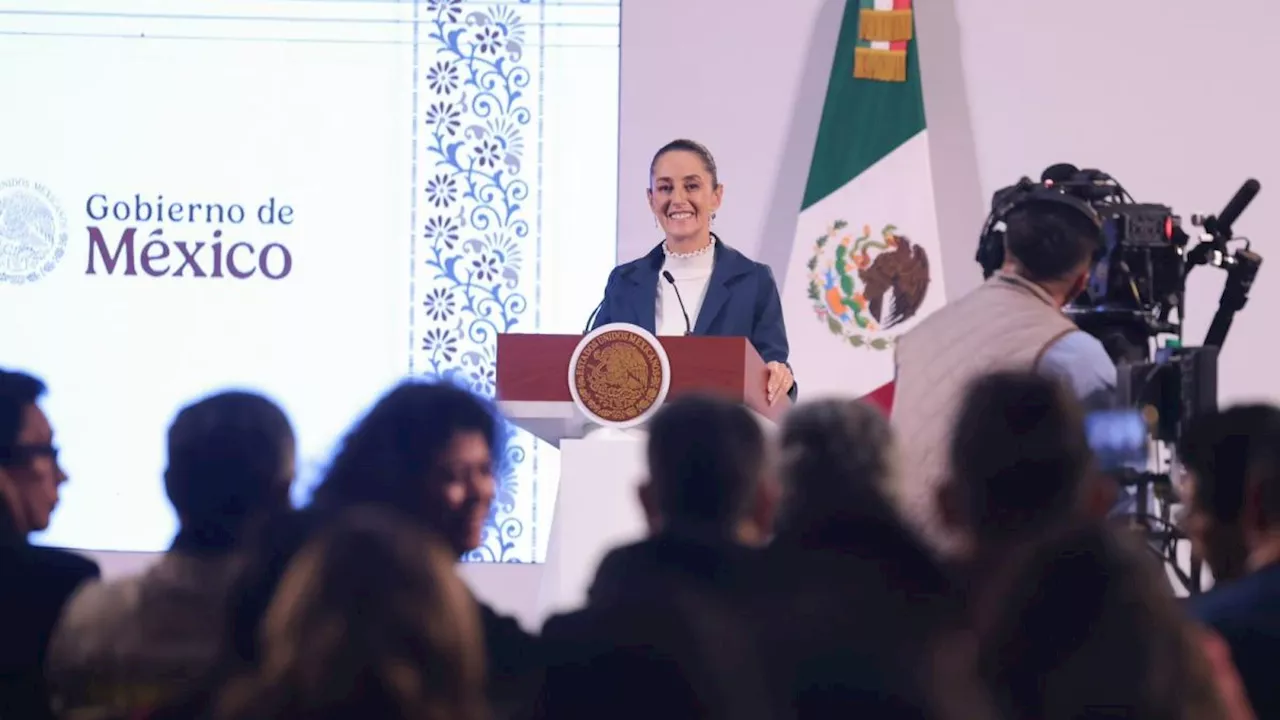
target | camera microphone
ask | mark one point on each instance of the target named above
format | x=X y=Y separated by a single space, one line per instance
x=1245 y=195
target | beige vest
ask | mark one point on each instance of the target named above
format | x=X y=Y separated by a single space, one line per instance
x=138 y=642
x=1005 y=324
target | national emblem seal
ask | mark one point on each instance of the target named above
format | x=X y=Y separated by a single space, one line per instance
x=619 y=375
x=33 y=231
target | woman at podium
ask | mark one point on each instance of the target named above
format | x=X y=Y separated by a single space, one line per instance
x=692 y=283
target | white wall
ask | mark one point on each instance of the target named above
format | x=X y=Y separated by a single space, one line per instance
x=1174 y=97
x=727 y=74
x=747 y=79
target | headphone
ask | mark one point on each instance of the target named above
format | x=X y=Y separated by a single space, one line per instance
x=1016 y=197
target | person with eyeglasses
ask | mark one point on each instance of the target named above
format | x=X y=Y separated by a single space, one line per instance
x=35 y=582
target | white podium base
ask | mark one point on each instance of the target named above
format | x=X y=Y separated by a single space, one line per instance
x=597 y=509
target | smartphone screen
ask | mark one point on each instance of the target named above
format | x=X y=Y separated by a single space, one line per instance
x=1119 y=439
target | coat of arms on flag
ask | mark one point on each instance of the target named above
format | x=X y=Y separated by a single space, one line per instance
x=863 y=285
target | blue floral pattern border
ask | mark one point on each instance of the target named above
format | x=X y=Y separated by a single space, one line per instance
x=472 y=207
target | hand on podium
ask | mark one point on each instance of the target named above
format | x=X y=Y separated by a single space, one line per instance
x=780 y=381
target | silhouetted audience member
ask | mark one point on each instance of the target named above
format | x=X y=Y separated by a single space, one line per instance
x=1082 y=624
x=1224 y=456
x=252 y=587
x=667 y=630
x=431 y=451
x=1020 y=464
x=134 y=643
x=425 y=452
x=1233 y=516
x=428 y=450
x=369 y=621
x=866 y=603
x=35 y=582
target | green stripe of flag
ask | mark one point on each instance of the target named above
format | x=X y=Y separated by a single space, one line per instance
x=862 y=120
x=862 y=5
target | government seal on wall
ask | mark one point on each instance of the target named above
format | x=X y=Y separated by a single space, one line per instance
x=33 y=231
x=619 y=375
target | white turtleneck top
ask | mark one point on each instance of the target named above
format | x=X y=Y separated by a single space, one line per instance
x=692 y=273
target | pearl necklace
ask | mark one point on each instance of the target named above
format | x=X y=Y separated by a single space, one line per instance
x=686 y=255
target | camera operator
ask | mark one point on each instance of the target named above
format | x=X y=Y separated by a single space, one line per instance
x=1232 y=460
x=1014 y=321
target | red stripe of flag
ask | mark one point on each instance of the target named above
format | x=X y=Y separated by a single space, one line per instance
x=881 y=397
x=900 y=5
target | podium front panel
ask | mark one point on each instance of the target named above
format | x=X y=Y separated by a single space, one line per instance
x=534 y=369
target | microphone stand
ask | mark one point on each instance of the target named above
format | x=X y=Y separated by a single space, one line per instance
x=592 y=317
x=688 y=327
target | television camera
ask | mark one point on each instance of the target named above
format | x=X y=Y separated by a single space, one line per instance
x=1135 y=305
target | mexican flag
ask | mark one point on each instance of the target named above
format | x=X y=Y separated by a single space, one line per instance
x=865 y=264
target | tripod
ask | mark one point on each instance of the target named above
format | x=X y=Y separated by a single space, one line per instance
x=1154 y=515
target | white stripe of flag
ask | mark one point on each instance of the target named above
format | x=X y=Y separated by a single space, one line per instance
x=882 y=5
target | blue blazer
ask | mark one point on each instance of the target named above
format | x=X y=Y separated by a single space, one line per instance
x=742 y=300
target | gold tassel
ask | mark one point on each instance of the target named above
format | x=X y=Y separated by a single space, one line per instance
x=882 y=65
x=884 y=25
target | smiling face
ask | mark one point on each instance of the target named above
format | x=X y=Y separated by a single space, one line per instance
x=467 y=485
x=683 y=195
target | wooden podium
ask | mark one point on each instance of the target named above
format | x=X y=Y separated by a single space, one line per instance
x=533 y=379
x=596 y=507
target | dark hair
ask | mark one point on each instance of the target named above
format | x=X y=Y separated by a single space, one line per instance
x=388 y=457
x=705 y=456
x=836 y=464
x=254 y=583
x=227 y=457
x=684 y=145
x=837 y=468
x=1019 y=453
x=17 y=391
x=1228 y=449
x=1082 y=623
x=1049 y=239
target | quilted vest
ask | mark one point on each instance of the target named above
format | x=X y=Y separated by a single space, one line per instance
x=1005 y=324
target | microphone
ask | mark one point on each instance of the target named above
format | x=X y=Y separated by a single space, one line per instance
x=592 y=317
x=688 y=327
x=1245 y=195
